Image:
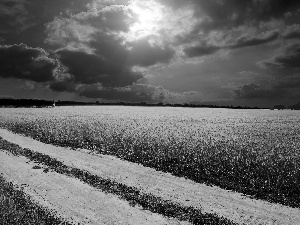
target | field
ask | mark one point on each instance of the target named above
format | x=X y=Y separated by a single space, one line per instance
x=255 y=152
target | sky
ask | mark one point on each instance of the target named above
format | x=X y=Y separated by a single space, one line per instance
x=223 y=52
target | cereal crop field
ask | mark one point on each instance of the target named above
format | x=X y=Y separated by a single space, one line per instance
x=255 y=152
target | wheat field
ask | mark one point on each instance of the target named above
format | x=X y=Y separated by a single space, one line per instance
x=255 y=152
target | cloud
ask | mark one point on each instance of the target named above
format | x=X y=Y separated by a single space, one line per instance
x=133 y=93
x=79 y=29
x=104 y=3
x=136 y=93
x=247 y=90
x=287 y=57
x=282 y=87
x=23 y=62
x=136 y=53
x=92 y=68
x=232 y=13
x=248 y=73
x=12 y=7
x=275 y=9
x=289 y=82
x=105 y=47
x=292 y=32
x=69 y=33
x=218 y=23
x=257 y=91
x=245 y=41
x=196 y=51
x=94 y=49
x=101 y=30
x=14 y=16
x=219 y=15
x=114 y=18
x=110 y=48
x=63 y=86
x=144 y=54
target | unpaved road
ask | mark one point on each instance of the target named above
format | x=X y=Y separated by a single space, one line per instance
x=231 y=205
x=73 y=200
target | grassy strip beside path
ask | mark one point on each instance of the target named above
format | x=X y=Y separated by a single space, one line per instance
x=130 y=194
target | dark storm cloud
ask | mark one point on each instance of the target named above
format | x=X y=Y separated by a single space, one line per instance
x=14 y=16
x=230 y=13
x=257 y=91
x=23 y=21
x=91 y=68
x=94 y=30
x=23 y=62
x=246 y=41
x=274 y=9
x=110 y=48
x=130 y=93
x=247 y=90
x=97 y=22
x=292 y=32
x=133 y=93
x=243 y=41
x=143 y=54
x=292 y=35
x=232 y=18
x=281 y=87
x=139 y=52
x=220 y=14
x=63 y=86
x=287 y=57
x=98 y=50
x=196 y=51
x=19 y=15
x=94 y=53
x=289 y=82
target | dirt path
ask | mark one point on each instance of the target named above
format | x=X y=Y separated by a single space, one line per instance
x=72 y=199
x=233 y=206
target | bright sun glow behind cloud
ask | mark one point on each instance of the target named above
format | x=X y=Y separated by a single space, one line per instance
x=157 y=22
x=150 y=15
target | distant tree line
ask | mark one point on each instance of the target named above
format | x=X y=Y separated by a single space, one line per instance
x=10 y=102
x=73 y=103
x=161 y=104
x=292 y=107
x=295 y=107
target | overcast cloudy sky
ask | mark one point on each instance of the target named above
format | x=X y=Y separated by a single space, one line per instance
x=240 y=52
